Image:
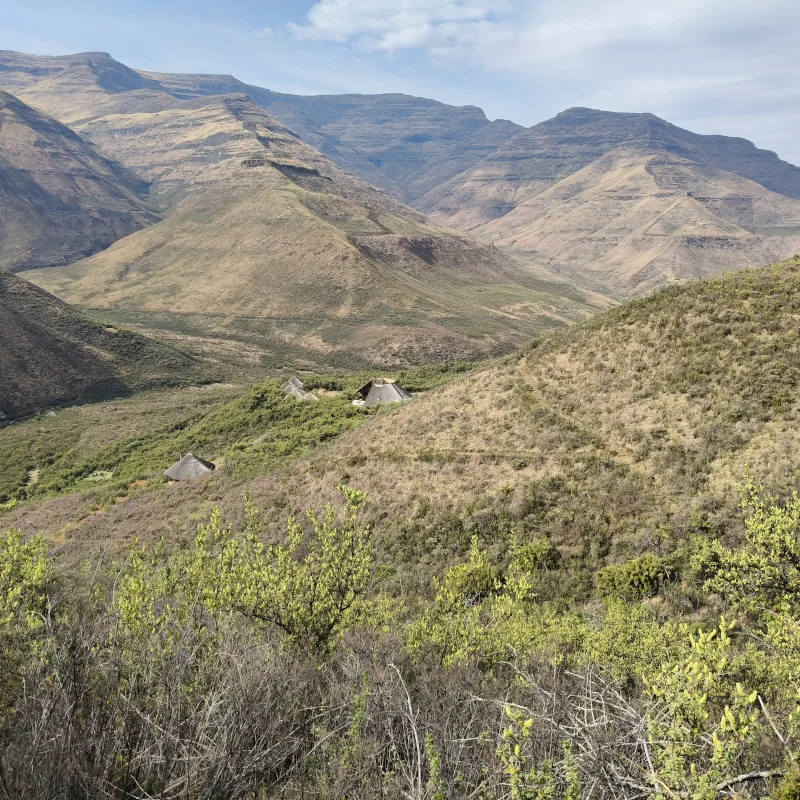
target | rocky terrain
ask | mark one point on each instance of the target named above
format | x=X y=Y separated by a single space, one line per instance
x=266 y=237
x=627 y=202
x=51 y=354
x=60 y=198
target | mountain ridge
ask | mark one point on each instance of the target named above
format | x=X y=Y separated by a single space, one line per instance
x=60 y=198
x=45 y=80
x=492 y=179
x=51 y=354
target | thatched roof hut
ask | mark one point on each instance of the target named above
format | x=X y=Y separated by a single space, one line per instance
x=292 y=383
x=385 y=391
x=189 y=467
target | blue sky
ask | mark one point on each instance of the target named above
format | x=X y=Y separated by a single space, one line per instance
x=713 y=66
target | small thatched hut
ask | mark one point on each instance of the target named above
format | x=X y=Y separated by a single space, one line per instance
x=292 y=383
x=189 y=467
x=382 y=391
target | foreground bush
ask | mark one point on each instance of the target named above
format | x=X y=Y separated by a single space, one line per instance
x=238 y=669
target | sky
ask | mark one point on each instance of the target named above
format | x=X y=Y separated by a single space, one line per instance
x=713 y=66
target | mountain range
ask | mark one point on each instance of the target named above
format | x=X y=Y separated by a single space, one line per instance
x=280 y=221
x=627 y=202
x=268 y=241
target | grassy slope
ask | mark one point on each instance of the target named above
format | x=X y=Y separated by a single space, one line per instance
x=613 y=438
x=88 y=459
x=51 y=354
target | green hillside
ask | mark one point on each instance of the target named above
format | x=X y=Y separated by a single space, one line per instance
x=543 y=581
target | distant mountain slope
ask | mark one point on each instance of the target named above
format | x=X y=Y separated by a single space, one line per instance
x=627 y=202
x=541 y=156
x=60 y=199
x=51 y=354
x=403 y=144
x=631 y=222
x=267 y=234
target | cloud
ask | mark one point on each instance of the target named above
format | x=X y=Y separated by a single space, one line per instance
x=703 y=63
x=525 y=36
x=402 y=24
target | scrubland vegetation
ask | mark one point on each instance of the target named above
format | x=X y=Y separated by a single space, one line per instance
x=573 y=573
x=236 y=669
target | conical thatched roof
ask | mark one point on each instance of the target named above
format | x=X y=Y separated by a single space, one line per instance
x=189 y=467
x=386 y=392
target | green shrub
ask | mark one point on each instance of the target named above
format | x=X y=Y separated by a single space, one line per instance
x=473 y=581
x=537 y=554
x=636 y=579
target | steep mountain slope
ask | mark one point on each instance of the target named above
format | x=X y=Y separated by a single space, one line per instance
x=51 y=354
x=60 y=199
x=269 y=236
x=406 y=145
x=621 y=435
x=632 y=221
x=587 y=191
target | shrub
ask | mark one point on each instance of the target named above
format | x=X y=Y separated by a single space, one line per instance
x=473 y=581
x=636 y=579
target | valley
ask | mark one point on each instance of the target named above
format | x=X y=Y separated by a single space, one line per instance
x=492 y=437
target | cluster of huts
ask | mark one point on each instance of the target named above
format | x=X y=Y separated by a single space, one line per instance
x=378 y=391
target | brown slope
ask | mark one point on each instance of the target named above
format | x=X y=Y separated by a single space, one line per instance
x=51 y=354
x=627 y=202
x=268 y=234
x=68 y=87
x=60 y=199
x=545 y=154
x=631 y=222
x=403 y=144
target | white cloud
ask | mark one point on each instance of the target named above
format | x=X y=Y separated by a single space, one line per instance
x=700 y=63
x=392 y=25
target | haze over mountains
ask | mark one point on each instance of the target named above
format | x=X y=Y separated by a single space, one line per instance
x=277 y=237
